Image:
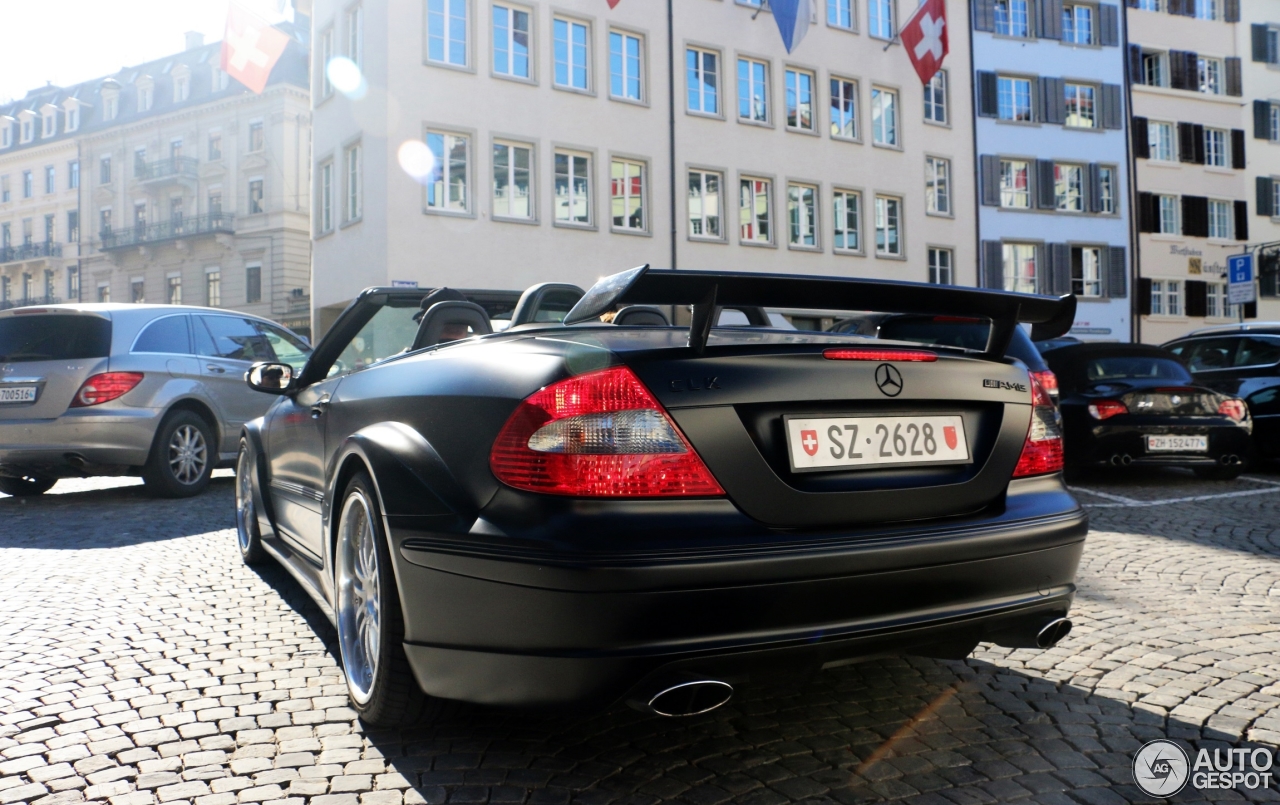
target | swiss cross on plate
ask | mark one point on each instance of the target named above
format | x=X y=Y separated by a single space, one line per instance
x=925 y=38
x=809 y=441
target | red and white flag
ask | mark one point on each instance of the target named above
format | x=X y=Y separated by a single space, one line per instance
x=614 y=3
x=925 y=38
x=250 y=48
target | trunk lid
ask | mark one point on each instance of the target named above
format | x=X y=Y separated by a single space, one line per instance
x=53 y=352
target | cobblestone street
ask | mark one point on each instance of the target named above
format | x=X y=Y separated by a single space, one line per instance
x=141 y=662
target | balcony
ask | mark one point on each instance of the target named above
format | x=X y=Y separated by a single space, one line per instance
x=161 y=170
x=29 y=251
x=37 y=300
x=173 y=229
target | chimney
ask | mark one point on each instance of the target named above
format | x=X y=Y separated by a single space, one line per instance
x=195 y=39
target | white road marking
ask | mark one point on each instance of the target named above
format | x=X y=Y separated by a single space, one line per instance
x=1123 y=502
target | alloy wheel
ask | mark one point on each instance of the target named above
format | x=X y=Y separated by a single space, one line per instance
x=188 y=454
x=359 y=599
x=246 y=517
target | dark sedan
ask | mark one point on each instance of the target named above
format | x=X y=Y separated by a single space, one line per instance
x=599 y=505
x=1134 y=404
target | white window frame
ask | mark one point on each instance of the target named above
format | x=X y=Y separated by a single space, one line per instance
x=1075 y=96
x=882 y=19
x=511 y=33
x=702 y=197
x=749 y=215
x=696 y=76
x=840 y=197
x=1155 y=70
x=48 y=124
x=354 y=21
x=1010 y=18
x=173 y=287
x=842 y=15
x=1015 y=257
x=799 y=73
x=937 y=186
x=1089 y=284
x=324 y=187
x=511 y=146
x=446 y=174
x=573 y=157
x=940 y=274
x=352 y=182
x=756 y=91
x=1221 y=219
x=627 y=197
x=885 y=135
x=444 y=16
x=796 y=226
x=1162 y=149
x=324 y=53
x=213 y=286
x=572 y=66
x=1168 y=212
x=1077 y=13
x=1107 y=188
x=851 y=100
x=248 y=197
x=1210 y=75
x=1217 y=154
x=883 y=203
x=1015 y=83
x=1069 y=187
x=938 y=86
x=640 y=67
x=1009 y=192
x=1166 y=298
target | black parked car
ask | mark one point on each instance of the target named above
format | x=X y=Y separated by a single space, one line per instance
x=1126 y=404
x=1243 y=361
x=578 y=511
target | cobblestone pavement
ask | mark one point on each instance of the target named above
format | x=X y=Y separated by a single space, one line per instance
x=141 y=663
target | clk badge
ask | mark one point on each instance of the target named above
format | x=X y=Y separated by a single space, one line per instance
x=809 y=441
x=888 y=380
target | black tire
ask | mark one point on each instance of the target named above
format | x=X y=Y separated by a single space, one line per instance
x=248 y=534
x=182 y=457
x=1220 y=473
x=386 y=695
x=27 y=486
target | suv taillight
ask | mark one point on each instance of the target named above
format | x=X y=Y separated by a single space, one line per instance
x=601 y=434
x=105 y=388
x=1042 y=451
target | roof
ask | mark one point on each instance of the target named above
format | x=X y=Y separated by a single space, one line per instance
x=1229 y=329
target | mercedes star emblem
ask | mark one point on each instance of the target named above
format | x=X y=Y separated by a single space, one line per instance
x=888 y=380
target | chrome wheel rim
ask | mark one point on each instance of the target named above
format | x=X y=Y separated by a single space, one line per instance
x=188 y=454
x=359 y=599
x=245 y=516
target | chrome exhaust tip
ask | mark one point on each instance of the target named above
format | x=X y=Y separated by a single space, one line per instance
x=1126 y=460
x=1230 y=461
x=1052 y=633
x=687 y=697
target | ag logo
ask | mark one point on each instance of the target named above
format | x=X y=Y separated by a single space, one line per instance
x=888 y=380
x=1161 y=768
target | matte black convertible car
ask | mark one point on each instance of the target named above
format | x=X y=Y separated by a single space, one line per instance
x=579 y=512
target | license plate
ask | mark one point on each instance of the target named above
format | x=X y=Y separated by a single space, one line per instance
x=18 y=394
x=1177 y=444
x=871 y=441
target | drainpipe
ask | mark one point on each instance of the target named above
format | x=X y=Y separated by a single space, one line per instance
x=977 y=164
x=671 y=120
x=1135 y=318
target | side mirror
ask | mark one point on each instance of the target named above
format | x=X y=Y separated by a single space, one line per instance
x=271 y=378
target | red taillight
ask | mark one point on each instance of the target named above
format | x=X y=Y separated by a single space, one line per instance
x=1042 y=450
x=602 y=434
x=1233 y=408
x=909 y=355
x=1105 y=409
x=1048 y=382
x=105 y=388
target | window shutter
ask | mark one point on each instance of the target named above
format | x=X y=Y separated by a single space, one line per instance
x=1053 y=101
x=1251 y=310
x=1109 y=25
x=1045 y=196
x=1144 y=296
x=1235 y=87
x=1112 y=107
x=1131 y=3
x=1147 y=213
x=988 y=98
x=1195 y=216
x=1135 y=64
x=1265 y=201
x=984 y=15
x=1262 y=120
x=1259 y=36
x=1237 y=149
x=1187 y=142
x=1117 y=272
x=1242 y=220
x=1177 y=69
x=1141 y=143
x=1231 y=11
x=1197 y=300
x=993 y=264
x=990 y=164
x=1059 y=269
x=1176 y=7
x=1043 y=280
x=1049 y=19
x=1095 y=188
x=1197 y=137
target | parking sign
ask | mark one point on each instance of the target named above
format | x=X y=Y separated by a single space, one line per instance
x=1240 y=288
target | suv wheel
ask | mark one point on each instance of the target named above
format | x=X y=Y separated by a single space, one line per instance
x=26 y=486
x=182 y=457
x=248 y=535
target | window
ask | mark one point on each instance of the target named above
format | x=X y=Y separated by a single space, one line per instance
x=624 y=66
x=255 y=196
x=840 y=14
x=28 y=184
x=4 y=189
x=447 y=32
x=257 y=140
x=571 y=54
x=1220 y=214
x=573 y=188
x=1166 y=298
x=325 y=204
x=753 y=91
x=511 y=41
x=1160 y=141
x=50 y=179
x=174 y=288
x=252 y=284
x=139 y=162
x=703 y=74
x=704 y=205
x=50 y=124
x=6 y=134
x=110 y=106
x=880 y=18
x=73 y=174
x=1020 y=267
x=325 y=56
x=353 y=207
x=626 y=190
x=1014 y=99
x=1106 y=190
x=1206 y=9
x=1015 y=184
x=28 y=130
x=215 y=201
x=447 y=182
x=49 y=228
x=512 y=181
x=1081 y=111
x=104 y=170
x=355 y=35
x=1210 y=75
x=213 y=287
x=1149 y=5
x=754 y=213
x=1077 y=24
x=935 y=98
x=73 y=284
x=1153 y=73
x=104 y=292
x=888 y=226
x=104 y=221
x=215 y=146
x=802 y=213
x=844 y=109
x=1012 y=18
x=1216 y=305
x=1068 y=187
x=137 y=291
x=1275 y=123
x=884 y=116
x=1167 y=206
x=940 y=267
x=937 y=185
x=1275 y=198
x=1086 y=271
x=1215 y=148
x=181 y=88
x=73 y=226
x=800 y=100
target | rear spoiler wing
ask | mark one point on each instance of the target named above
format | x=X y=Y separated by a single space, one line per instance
x=1048 y=316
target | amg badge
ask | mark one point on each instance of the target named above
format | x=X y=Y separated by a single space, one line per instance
x=1003 y=384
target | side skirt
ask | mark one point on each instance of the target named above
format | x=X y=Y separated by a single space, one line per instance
x=304 y=570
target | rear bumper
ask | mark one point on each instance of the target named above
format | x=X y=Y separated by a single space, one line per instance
x=78 y=442
x=1104 y=443
x=559 y=630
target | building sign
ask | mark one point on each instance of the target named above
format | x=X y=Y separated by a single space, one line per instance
x=1195 y=265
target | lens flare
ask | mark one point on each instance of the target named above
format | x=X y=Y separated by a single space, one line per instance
x=416 y=160
x=346 y=77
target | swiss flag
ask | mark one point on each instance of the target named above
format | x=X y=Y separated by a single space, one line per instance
x=250 y=48
x=925 y=38
x=613 y=3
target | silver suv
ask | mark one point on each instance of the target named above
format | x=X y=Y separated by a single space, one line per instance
x=116 y=389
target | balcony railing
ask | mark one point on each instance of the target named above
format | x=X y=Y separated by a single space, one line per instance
x=30 y=251
x=173 y=167
x=174 y=228
x=36 y=300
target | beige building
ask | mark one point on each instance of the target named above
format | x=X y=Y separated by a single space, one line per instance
x=554 y=149
x=188 y=187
